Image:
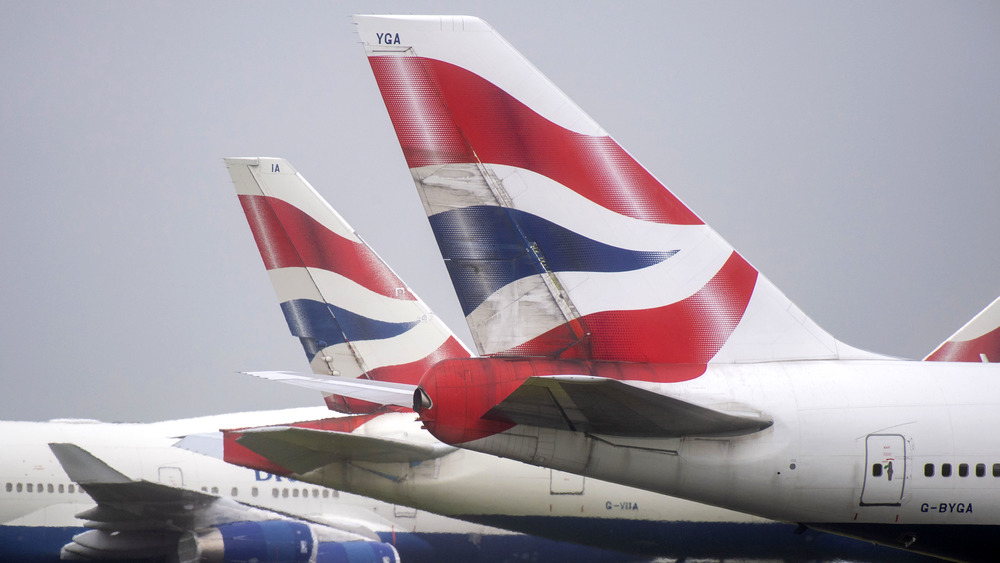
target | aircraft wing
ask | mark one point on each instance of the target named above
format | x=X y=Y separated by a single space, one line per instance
x=598 y=405
x=304 y=449
x=124 y=503
x=138 y=519
x=381 y=392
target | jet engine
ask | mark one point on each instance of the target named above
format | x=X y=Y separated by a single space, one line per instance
x=276 y=541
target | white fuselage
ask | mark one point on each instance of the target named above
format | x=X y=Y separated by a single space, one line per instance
x=466 y=483
x=833 y=421
x=35 y=491
x=564 y=506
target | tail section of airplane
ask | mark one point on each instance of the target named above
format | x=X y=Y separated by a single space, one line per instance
x=558 y=242
x=352 y=313
x=237 y=454
x=977 y=341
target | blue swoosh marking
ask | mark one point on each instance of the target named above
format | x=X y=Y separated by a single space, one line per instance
x=488 y=247
x=319 y=325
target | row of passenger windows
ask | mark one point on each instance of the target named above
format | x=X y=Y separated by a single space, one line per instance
x=963 y=470
x=40 y=488
x=316 y=493
x=234 y=492
x=279 y=492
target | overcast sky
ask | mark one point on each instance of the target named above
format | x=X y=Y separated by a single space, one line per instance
x=849 y=150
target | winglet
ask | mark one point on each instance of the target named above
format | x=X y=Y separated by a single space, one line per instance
x=83 y=467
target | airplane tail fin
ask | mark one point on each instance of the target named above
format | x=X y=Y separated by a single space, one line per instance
x=352 y=313
x=559 y=244
x=977 y=341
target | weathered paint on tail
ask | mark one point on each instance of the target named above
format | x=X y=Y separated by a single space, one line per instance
x=352 y=313
x=559 y=244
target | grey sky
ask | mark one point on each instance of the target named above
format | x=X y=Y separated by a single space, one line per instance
x=850 y=150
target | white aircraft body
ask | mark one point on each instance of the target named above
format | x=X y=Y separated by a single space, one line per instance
x=120 y=491
x=356 y=318
x=623 y=339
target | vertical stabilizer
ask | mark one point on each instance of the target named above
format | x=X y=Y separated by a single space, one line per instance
x=353 y=315
x=977 y=341
x=558 y=242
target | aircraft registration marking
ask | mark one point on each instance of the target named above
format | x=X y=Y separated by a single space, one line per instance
x=947 y=507
x=624 y=505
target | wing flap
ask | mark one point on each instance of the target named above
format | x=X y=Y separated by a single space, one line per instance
x=598 y=405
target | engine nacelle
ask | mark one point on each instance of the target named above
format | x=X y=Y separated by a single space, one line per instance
x=276 y=541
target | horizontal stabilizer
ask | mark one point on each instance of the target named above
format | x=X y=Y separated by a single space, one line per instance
x=304 y=449
x=381 y=392
x=598 y=405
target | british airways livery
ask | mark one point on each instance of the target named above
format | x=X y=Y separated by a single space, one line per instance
x=625 y=340
x=388 y=456
x=977 y=341
x=349 y=309
x=85 y=490
x=62 y=498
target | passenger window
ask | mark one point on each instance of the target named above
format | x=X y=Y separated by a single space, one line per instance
x=18 y=487
x=62 y=489
x=31 y=488
x=996 y=469
x=284 y=493
x=215 y=490
x=326 y=493
x=204 y=489
x=275 y=493
x=234 y=492
x=315 y=493
x=41 y=488
x=295 y=493
x=9 y=487
x=963 y=470
x=72 y=488
x=980 y=470
x=946 y=470
x=877 y=470
x=253 y=491
x=51 y=488
x=928 y=470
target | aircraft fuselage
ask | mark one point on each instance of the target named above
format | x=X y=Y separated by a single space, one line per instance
x=891 y=451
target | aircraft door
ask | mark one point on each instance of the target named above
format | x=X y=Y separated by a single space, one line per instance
x=400 y=511
x=171 y=476
x=561 y=483
x=885 y=470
